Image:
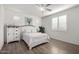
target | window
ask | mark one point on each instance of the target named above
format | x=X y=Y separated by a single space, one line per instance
x=59 y=23
x=54 y=23
x=62 y=23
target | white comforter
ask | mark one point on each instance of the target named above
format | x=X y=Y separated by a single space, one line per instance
x=35 y=36
x=33 y=39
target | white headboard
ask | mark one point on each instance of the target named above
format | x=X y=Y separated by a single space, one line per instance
x=29 y=29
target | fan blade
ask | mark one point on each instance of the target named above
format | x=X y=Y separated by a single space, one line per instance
x=48 y=5
x=48 y=9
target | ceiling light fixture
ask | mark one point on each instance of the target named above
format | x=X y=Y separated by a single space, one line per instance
x=42 y=9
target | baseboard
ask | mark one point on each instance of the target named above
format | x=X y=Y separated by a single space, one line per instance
x=66 y=41
x=1 y=47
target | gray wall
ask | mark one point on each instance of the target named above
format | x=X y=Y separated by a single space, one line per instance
x=72 y=33
x=1 y=26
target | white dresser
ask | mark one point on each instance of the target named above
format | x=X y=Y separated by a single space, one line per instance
x=13 y=33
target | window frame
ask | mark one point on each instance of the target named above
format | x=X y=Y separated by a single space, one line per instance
x=59 y=26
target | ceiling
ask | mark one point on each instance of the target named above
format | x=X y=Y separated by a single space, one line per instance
x=33 y=9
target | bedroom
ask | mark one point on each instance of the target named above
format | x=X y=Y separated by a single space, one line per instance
x=28 y=18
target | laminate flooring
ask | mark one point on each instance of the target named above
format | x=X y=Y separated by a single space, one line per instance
x=53 y=47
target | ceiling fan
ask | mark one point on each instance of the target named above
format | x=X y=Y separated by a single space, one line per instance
x=44 y=7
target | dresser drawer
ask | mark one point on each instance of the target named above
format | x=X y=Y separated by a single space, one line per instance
x=9 y=38
x=17 y=38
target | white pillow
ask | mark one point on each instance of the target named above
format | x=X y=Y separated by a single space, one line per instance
x=34 y=30
x=29 y=29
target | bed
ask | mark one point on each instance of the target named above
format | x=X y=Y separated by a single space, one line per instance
x=34 y=38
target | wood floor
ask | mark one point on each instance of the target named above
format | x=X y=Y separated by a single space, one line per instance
x=53 y=47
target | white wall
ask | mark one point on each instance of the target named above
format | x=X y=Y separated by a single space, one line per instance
x=36 y=21
x=10 y=13
x=1 y=26
x=72 y=33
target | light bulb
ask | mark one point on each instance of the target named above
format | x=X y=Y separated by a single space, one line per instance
x=42 y=9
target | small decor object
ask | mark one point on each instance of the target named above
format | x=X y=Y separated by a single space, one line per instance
x=28 y=20
x=42 y=29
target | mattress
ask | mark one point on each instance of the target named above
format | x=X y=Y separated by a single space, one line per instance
x=34 y=37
